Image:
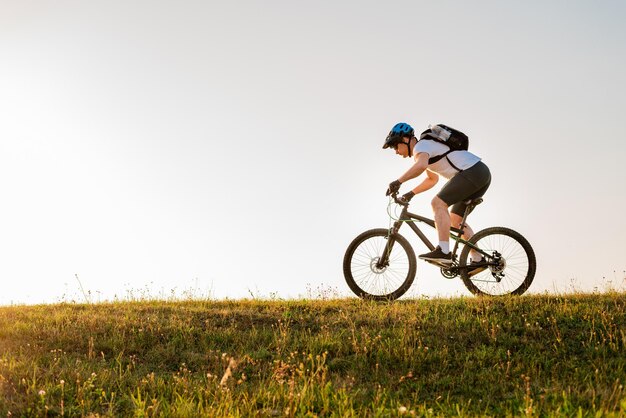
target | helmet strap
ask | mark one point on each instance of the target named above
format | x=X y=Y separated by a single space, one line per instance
x=410 y=147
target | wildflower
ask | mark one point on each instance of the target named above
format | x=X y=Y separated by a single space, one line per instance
x=42 y=392
x=402 y=410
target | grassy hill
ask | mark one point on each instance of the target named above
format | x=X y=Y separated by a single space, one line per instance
x=532 y=355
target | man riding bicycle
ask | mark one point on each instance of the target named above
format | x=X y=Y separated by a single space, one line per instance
x=468 y=178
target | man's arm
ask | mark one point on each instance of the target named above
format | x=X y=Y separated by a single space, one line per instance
x=421 y=162
x=428 y=182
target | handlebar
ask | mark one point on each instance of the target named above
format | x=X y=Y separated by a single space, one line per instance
x=398 y=201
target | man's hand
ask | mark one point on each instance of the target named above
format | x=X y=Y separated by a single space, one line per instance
x=394 y=186
x=406 y=198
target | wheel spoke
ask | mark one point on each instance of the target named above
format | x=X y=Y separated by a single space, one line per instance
x=361 y=266
x=516 y=262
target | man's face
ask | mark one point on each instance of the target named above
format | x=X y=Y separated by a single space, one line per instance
x=402 y=148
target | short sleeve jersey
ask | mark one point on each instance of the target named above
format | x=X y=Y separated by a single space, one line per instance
x=461 y=159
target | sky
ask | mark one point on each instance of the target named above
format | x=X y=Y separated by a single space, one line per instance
x=233 y=149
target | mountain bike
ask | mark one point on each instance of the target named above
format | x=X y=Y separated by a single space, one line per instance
x=380 y=264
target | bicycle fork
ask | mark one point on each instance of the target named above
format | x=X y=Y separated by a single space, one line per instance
x=383 y=261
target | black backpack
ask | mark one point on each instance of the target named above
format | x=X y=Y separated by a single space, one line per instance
x=454 y=139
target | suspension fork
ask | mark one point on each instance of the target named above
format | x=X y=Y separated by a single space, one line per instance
x=391 y=240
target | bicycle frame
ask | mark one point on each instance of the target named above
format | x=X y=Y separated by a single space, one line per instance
x=455 y=234
x=381 y=264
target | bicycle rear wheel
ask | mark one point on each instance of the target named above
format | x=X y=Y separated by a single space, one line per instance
x=513 y=259
x=370 y=280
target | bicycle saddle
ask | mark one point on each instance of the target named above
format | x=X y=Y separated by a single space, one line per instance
x=474 y=202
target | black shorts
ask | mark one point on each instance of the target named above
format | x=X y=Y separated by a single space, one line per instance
x=466 y=185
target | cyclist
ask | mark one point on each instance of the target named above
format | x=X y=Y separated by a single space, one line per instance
x=468 y=178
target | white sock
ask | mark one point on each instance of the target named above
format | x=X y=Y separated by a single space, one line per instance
x=445 y=246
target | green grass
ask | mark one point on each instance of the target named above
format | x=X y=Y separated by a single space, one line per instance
x=532 y=355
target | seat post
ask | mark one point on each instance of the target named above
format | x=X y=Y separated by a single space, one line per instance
x=467 y=212
x=471 y=204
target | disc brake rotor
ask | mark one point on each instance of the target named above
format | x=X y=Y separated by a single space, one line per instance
x=375 y=267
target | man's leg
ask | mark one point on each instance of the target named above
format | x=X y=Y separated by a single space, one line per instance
x=473 y=181
x=442 y=222
x=441 y=254
x=455 y=221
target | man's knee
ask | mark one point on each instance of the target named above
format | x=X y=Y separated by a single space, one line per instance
x=437 y=203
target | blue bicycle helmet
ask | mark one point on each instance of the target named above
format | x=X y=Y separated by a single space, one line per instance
x=399 y=131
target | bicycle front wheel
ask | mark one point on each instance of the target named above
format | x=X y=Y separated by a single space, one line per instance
x=512 y=263
x=368 y=277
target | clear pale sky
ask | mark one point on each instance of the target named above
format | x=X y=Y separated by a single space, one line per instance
x=235 y=147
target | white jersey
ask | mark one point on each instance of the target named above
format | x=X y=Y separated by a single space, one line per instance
x=461 y=159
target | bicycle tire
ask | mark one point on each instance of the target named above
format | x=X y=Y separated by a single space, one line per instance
x=518 y=268
x=362 y=254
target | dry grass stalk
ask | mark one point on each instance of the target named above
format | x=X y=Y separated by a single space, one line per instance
x=232 y=364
